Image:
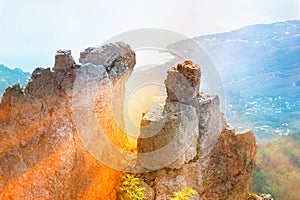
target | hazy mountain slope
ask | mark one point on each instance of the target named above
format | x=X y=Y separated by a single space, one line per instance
x=260 y=69
x=278 y=168
x=269 y=50
x=9 y=77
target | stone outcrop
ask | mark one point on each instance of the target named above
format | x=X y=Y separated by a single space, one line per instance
x=114 y=57
x=208 y=155
x=169 y=128
x=172 y=122
x=64 y=61
x=41 y=154
x=184 y=141
x=183 y=83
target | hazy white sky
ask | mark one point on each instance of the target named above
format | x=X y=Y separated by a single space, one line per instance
x=32 y=31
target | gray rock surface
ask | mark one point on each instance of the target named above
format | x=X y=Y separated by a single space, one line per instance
x=114 y=57
x=178 y=129
x=211 y=121
x=183 y=82
x=218 y=164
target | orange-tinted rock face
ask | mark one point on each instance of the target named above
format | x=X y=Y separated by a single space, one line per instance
x=226 y=170
x=41 y=154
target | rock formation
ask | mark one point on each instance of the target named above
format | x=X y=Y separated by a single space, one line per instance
x=207 y=154
x=42 y=155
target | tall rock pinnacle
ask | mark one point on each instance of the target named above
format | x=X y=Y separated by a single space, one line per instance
x=192 y=144
x=183 y=82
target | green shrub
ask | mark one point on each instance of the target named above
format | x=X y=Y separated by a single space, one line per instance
x=131 y=189
x=252 y=195
x=184 y=194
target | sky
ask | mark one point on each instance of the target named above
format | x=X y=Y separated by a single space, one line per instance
x=32 y=31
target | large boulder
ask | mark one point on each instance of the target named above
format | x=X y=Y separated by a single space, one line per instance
x=114 y=57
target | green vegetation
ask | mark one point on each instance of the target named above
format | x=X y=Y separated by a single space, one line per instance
x=131 y=189
x=278 y=168
x=251 y=194
x=184 y=194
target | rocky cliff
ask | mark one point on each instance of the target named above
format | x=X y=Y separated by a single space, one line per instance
x=41 y=154
x=184 y=141
x=206 y=154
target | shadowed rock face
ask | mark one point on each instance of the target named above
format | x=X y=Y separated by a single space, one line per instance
x=41 y=155
x=217 y=162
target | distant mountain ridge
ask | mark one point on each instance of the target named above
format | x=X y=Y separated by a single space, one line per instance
x=260 y=69
x=9 y=77
x=259 y=48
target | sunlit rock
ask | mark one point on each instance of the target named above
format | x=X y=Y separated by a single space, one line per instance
x=214 y=160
